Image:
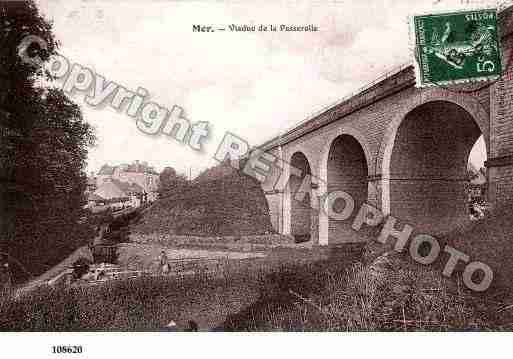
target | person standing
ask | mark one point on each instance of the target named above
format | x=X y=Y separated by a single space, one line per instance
x=5 y=274
x=163 y=263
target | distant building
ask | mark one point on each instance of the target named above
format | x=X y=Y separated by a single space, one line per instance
x=118 y=194
x=126 y=185
x=137 y=172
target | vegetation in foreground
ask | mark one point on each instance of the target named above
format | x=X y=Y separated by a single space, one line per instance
x=360 y=298
x=142 y=304
x=333 y=295
x=390 y=293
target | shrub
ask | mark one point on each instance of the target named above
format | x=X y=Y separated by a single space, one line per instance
x=221 y=202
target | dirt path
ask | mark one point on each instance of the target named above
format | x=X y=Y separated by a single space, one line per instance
x=145 y=256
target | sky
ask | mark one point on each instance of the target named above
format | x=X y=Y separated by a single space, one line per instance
x=255 y=85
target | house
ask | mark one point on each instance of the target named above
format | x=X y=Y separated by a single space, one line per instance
x=138 y=172
x=130 y=184
x=119 y=194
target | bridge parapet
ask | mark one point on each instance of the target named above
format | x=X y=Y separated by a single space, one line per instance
x=390 y=82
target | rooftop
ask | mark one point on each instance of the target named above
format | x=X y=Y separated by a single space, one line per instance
x=114 y=188
x=135 y=167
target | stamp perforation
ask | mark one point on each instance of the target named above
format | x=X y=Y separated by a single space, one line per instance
x=454 y=58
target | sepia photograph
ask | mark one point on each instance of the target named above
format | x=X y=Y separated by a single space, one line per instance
x=292 y=170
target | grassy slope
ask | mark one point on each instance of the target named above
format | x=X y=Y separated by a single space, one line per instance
x=392 y=293
x=337 y=293
x=490 y=241
x=222 y=202
x=339 y=297
x=135 y=305
x=82 y=252
x=147 y=303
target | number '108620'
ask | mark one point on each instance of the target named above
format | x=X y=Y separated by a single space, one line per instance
x=66 y=349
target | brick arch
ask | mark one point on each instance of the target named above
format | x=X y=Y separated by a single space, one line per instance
x=287 y=155
x=327 y=228
x=323 y=159
x=298 y=220
x=434 y=104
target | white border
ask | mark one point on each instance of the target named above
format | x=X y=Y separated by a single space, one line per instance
x=260 y=345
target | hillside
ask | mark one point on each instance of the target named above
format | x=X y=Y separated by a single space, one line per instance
x=220 y=202
x=489 y=241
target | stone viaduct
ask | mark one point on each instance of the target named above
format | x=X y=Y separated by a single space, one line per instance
x=401 y=149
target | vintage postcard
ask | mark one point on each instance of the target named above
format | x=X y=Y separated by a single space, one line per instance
x=175 y=173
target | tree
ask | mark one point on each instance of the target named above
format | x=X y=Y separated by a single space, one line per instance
x=170 y=181
x=47 y=140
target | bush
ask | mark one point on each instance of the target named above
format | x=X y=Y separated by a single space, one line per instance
x=221 y=202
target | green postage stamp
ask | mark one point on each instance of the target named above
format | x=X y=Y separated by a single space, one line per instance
x=457 y=47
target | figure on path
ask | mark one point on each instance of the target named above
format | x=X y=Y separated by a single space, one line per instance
x=5 y=273
x=163 y=263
